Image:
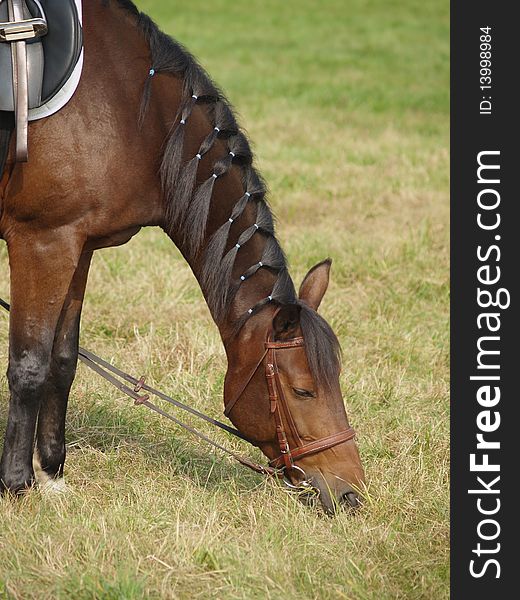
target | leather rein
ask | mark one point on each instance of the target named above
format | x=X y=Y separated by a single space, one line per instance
x=278 y=407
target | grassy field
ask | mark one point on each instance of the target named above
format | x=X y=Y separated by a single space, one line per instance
x=347 y=106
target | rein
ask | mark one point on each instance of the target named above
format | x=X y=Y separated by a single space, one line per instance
x=278 y=467
x=111 y=374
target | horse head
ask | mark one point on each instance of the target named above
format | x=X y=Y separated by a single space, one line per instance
x=282 y=392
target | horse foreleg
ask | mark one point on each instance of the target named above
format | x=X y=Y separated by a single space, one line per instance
x=42 y=269
x=49 y=454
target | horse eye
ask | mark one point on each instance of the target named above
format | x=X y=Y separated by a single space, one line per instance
x=304 y=393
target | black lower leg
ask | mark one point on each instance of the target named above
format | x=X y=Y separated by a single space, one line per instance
x=50 y=435
x=41 y=276
x=26 y=374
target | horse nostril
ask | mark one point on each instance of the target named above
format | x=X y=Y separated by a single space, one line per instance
x=352 y=499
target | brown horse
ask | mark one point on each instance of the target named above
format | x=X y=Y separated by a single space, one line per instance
x=148 y=140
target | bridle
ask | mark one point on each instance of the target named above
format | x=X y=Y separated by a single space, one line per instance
x=280 y=466
x=279 y=409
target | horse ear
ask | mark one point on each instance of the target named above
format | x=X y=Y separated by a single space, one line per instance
x=315 y=284
x=286 y=322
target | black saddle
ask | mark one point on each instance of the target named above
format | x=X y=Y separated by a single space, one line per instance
x=61 y=46
x=51 y=57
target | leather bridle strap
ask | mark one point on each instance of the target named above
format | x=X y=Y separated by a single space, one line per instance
x=231 y=403
x=317 y=446
x=278 y=401
x=278 y=405
x=296 y=342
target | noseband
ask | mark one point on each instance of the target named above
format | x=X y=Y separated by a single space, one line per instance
x=279 y=408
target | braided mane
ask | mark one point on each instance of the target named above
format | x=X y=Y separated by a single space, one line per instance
x=188 y=205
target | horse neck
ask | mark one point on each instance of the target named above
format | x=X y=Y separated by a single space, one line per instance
x=218 y=264
x=225 y=272
x=200 y=138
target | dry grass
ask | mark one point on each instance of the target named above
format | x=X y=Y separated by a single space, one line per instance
x=349 y=116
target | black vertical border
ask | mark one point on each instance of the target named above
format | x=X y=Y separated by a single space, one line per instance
x=472 y=133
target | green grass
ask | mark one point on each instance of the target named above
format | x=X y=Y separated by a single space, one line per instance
x=347 y=105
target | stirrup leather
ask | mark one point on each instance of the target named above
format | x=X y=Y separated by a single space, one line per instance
x=22 y=30
x=16 y=31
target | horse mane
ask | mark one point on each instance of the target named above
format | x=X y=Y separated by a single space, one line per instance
x=188 y=205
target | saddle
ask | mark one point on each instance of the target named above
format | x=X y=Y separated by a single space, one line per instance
x=40 y=48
